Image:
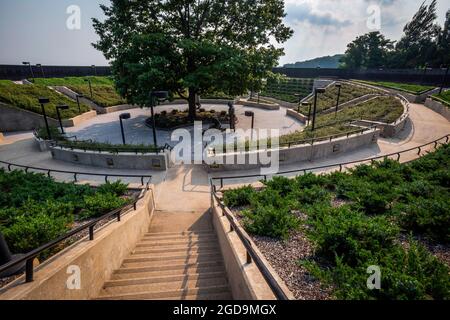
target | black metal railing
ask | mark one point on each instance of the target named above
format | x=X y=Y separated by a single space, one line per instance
x=252 y=256
x=28 y=258
x=339 y=165
x=75 y=174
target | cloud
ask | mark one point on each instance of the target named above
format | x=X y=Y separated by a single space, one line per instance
x=304 y=12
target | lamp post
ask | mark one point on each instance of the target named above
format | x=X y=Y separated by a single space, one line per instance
x=95 y=69
x=338 y=86
x=42 y=102
x=156 y=96
x=90 y=86
x=42 y=69
x=231 y=113
x=316 y=92
x=123 y=116
x=58 y=108
x=25 y=63
x=78 y=96
x=444 y=80
x=252 y=115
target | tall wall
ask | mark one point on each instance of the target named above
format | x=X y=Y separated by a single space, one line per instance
x=431 y=77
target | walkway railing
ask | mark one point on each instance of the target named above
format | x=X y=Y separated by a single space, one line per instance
x=339 y=165
x=252 y=256
x=28 y=258
x=75 y=174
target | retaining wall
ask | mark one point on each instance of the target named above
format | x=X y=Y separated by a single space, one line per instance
x=438 y=107
x=298 y=116
x=245 y=280
x=129 y=160
x=260 y=105
x=16 y=119
x=307 y=152
x=96 y=259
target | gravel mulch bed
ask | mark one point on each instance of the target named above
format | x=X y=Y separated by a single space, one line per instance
x=439 y=250
x=283 y=256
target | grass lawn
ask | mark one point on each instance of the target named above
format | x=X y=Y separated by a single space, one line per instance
x=104 y=93
x=383 y=109
x=26 y=97
x=410 y=88
x=328 y=99
x=445 y=96
x=34 y=209
x=388 y=215
x=74 y=81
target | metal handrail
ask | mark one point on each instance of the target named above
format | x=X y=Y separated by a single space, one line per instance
x=77 y=173
x=340 y=165
x=29 y=257
x=252 y=256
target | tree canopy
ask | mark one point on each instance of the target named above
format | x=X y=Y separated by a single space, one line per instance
x=190 y=47
x=424 y=43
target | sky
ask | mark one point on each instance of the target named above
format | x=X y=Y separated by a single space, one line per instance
x=48 y=32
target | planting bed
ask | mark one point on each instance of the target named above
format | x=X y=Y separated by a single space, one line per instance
x=406 y=87
x=175 y=118
x=26 y=97
x=331 y=228
x=35 y=210
x=286 y=89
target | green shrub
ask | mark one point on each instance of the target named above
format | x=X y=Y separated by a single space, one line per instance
x=311 y=196
x=282 y=185
x=270 y=221
x=239 y=197
x=101 y=203
x=31 y=231
x=349 y=234
x=117 y=188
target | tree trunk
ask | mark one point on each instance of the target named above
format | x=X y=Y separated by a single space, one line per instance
x=192 y=105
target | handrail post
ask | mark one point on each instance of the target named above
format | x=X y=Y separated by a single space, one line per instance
x=420 y=150
x=249 y=258
x=29 y=270
x=142 y=180
x=91 y=232
x=75 y=177
x=119 y=215
x=106 y=178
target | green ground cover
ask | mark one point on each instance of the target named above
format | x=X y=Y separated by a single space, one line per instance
x=26 y=97
x=34 y=209
x=103 y=91
x=444 y=96
x=382 y=109
x=373 y=215
x=407 y=87
x=328 y=99
x=285 y=89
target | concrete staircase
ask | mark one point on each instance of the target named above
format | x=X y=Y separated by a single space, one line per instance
x=178 y=259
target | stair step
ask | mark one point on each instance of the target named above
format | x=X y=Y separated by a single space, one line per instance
x=173 y=243
x=165 y=267
x=139 y=274
x=153 y=237
x=161 y=251
x=184 y=284
x=172 y=257
x=164 y=279
x=143 y=262
x=182 y=233
x=174 y=294
x=224 y=296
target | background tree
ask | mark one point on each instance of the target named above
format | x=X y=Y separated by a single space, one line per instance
x=371 y=50
x=418 y=46
x=190 y=47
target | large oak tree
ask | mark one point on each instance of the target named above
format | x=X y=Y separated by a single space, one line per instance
x=190 y=47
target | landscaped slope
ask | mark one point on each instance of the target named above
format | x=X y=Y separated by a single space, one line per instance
x=406 y=87
x=286 y=89
x=382 y=109
x=34 y=209
x=328 y=99
x=104 y=93
x=392 y=216
x=444 y=97
x=26 y=97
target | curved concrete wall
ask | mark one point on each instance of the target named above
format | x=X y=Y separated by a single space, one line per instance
x=307 y=152
x=438 y=107
x=265 y=106
x=113 y=161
